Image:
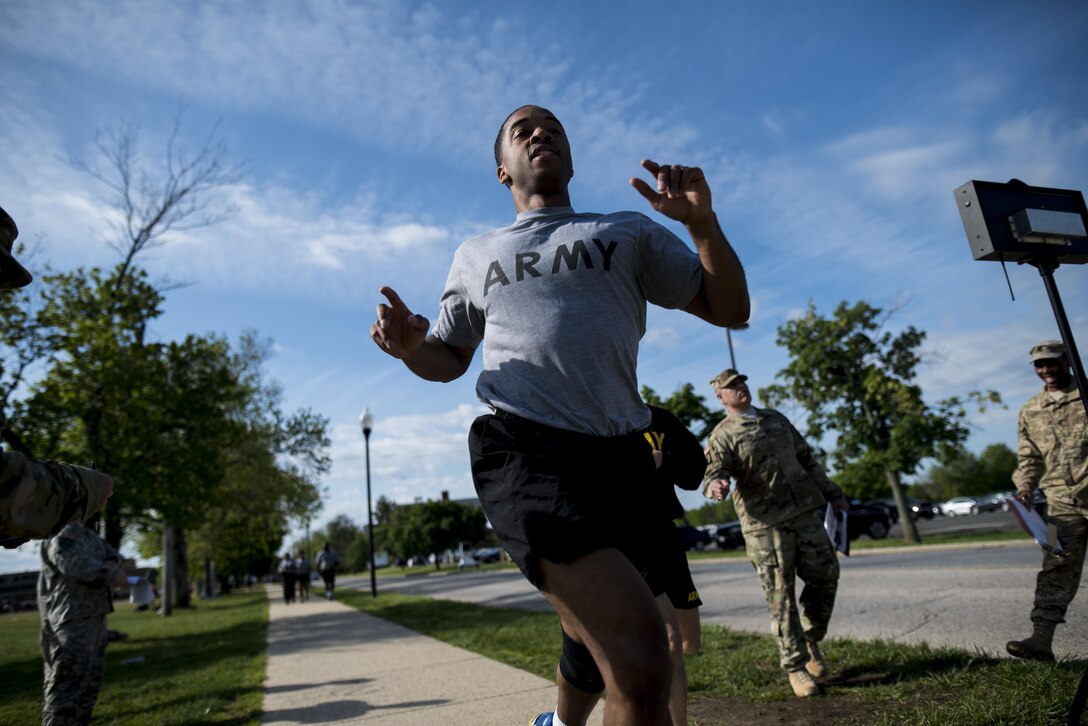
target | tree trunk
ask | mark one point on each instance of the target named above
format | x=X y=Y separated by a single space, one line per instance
x=910 y=529
x=168 y=578
x=111 y=521
x=181 y=569
x=210 y=579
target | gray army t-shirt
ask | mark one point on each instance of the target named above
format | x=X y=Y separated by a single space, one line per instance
x=563 y=298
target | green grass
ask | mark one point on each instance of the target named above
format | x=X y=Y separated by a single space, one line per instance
x=897 y=683
x=206 y=665
x=203 y=665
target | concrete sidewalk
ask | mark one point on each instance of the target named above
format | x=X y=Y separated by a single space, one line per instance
x=329 y=663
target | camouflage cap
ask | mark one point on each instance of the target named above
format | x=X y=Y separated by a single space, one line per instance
x=12 y=274
x=726 y=377
x=1047 y=349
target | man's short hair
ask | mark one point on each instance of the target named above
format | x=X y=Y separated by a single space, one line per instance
x=498 y=137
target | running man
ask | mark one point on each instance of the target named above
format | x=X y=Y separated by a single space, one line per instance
x=561 y=466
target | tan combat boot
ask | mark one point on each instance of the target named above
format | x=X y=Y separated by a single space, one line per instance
x=1038 y=646
x=803 y=685
x=816 y=666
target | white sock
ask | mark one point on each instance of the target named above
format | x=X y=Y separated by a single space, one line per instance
x=556 y=721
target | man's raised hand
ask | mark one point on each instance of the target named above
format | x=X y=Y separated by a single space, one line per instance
x=397 y=331
x=682 y=192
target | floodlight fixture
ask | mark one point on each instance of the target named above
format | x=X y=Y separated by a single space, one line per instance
x=1014 y=222
x=1038 y=226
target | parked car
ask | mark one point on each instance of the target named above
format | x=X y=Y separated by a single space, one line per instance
x=958 y=506
x=918 y=508
x=729 y=536
x=888 y=505
x=487 y=554
x=867 y=519
x=994 y=501
x=694 y=538
x=925 y=509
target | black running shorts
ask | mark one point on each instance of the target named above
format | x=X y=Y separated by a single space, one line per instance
x=674 y=571
x=557 y=495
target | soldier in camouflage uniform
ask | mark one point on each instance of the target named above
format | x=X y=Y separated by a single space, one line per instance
x=37 y=498
x=781 y=493
x=1053 y=456
x=74 y=597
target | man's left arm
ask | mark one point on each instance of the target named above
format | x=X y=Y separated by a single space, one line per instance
x=683 y=194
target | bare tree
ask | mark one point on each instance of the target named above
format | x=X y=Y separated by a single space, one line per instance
x=151 y=204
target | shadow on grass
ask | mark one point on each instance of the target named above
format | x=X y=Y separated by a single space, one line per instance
x=896 y=665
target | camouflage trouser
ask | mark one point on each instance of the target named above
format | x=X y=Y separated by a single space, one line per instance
x=796 y=548
x=1057 y=582
x=75 y=655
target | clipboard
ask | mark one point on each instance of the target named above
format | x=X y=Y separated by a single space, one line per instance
x=835 y=525
x=1034 y=526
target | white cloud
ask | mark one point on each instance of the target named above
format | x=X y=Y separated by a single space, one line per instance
x=662 y=337
x=411 y=456
x=773 y=124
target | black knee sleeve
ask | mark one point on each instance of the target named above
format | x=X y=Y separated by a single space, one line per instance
x=578 y=667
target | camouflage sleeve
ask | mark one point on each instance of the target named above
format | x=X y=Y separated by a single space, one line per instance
x=719 y=459
x=37 y=498
x=807 y=458
x=1030 y=466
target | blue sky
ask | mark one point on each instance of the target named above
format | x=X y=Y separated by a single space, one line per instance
x=832 y=135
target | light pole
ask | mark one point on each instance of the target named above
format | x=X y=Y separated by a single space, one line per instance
x=366 y=421
x=729 y=338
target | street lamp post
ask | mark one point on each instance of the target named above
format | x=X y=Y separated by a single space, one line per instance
x=729 y=338
x=366 y=421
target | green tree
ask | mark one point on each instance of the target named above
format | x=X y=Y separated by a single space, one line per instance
x=340 y=533
x=434 y=527
x=712 y=513
x=25 y=340
x=863 y=478
x=856 y=380
x=998 y=463
x=689 y=407
x=964 y=473
x=383 y=510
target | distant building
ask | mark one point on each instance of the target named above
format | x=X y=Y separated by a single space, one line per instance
x=18 y=591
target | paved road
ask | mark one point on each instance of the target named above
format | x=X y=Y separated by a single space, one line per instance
x=976 y=597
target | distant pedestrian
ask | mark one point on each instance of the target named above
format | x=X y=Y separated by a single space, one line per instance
x=781 y=494
x=328 y=562
x=74 y=597
x=1053 y=457
x=302 y=572
x=287 y=572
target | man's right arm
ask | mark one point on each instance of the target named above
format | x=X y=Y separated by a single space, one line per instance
x=37 y=498
x=1030 y=465
x=716 y=479
x=402 y=334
